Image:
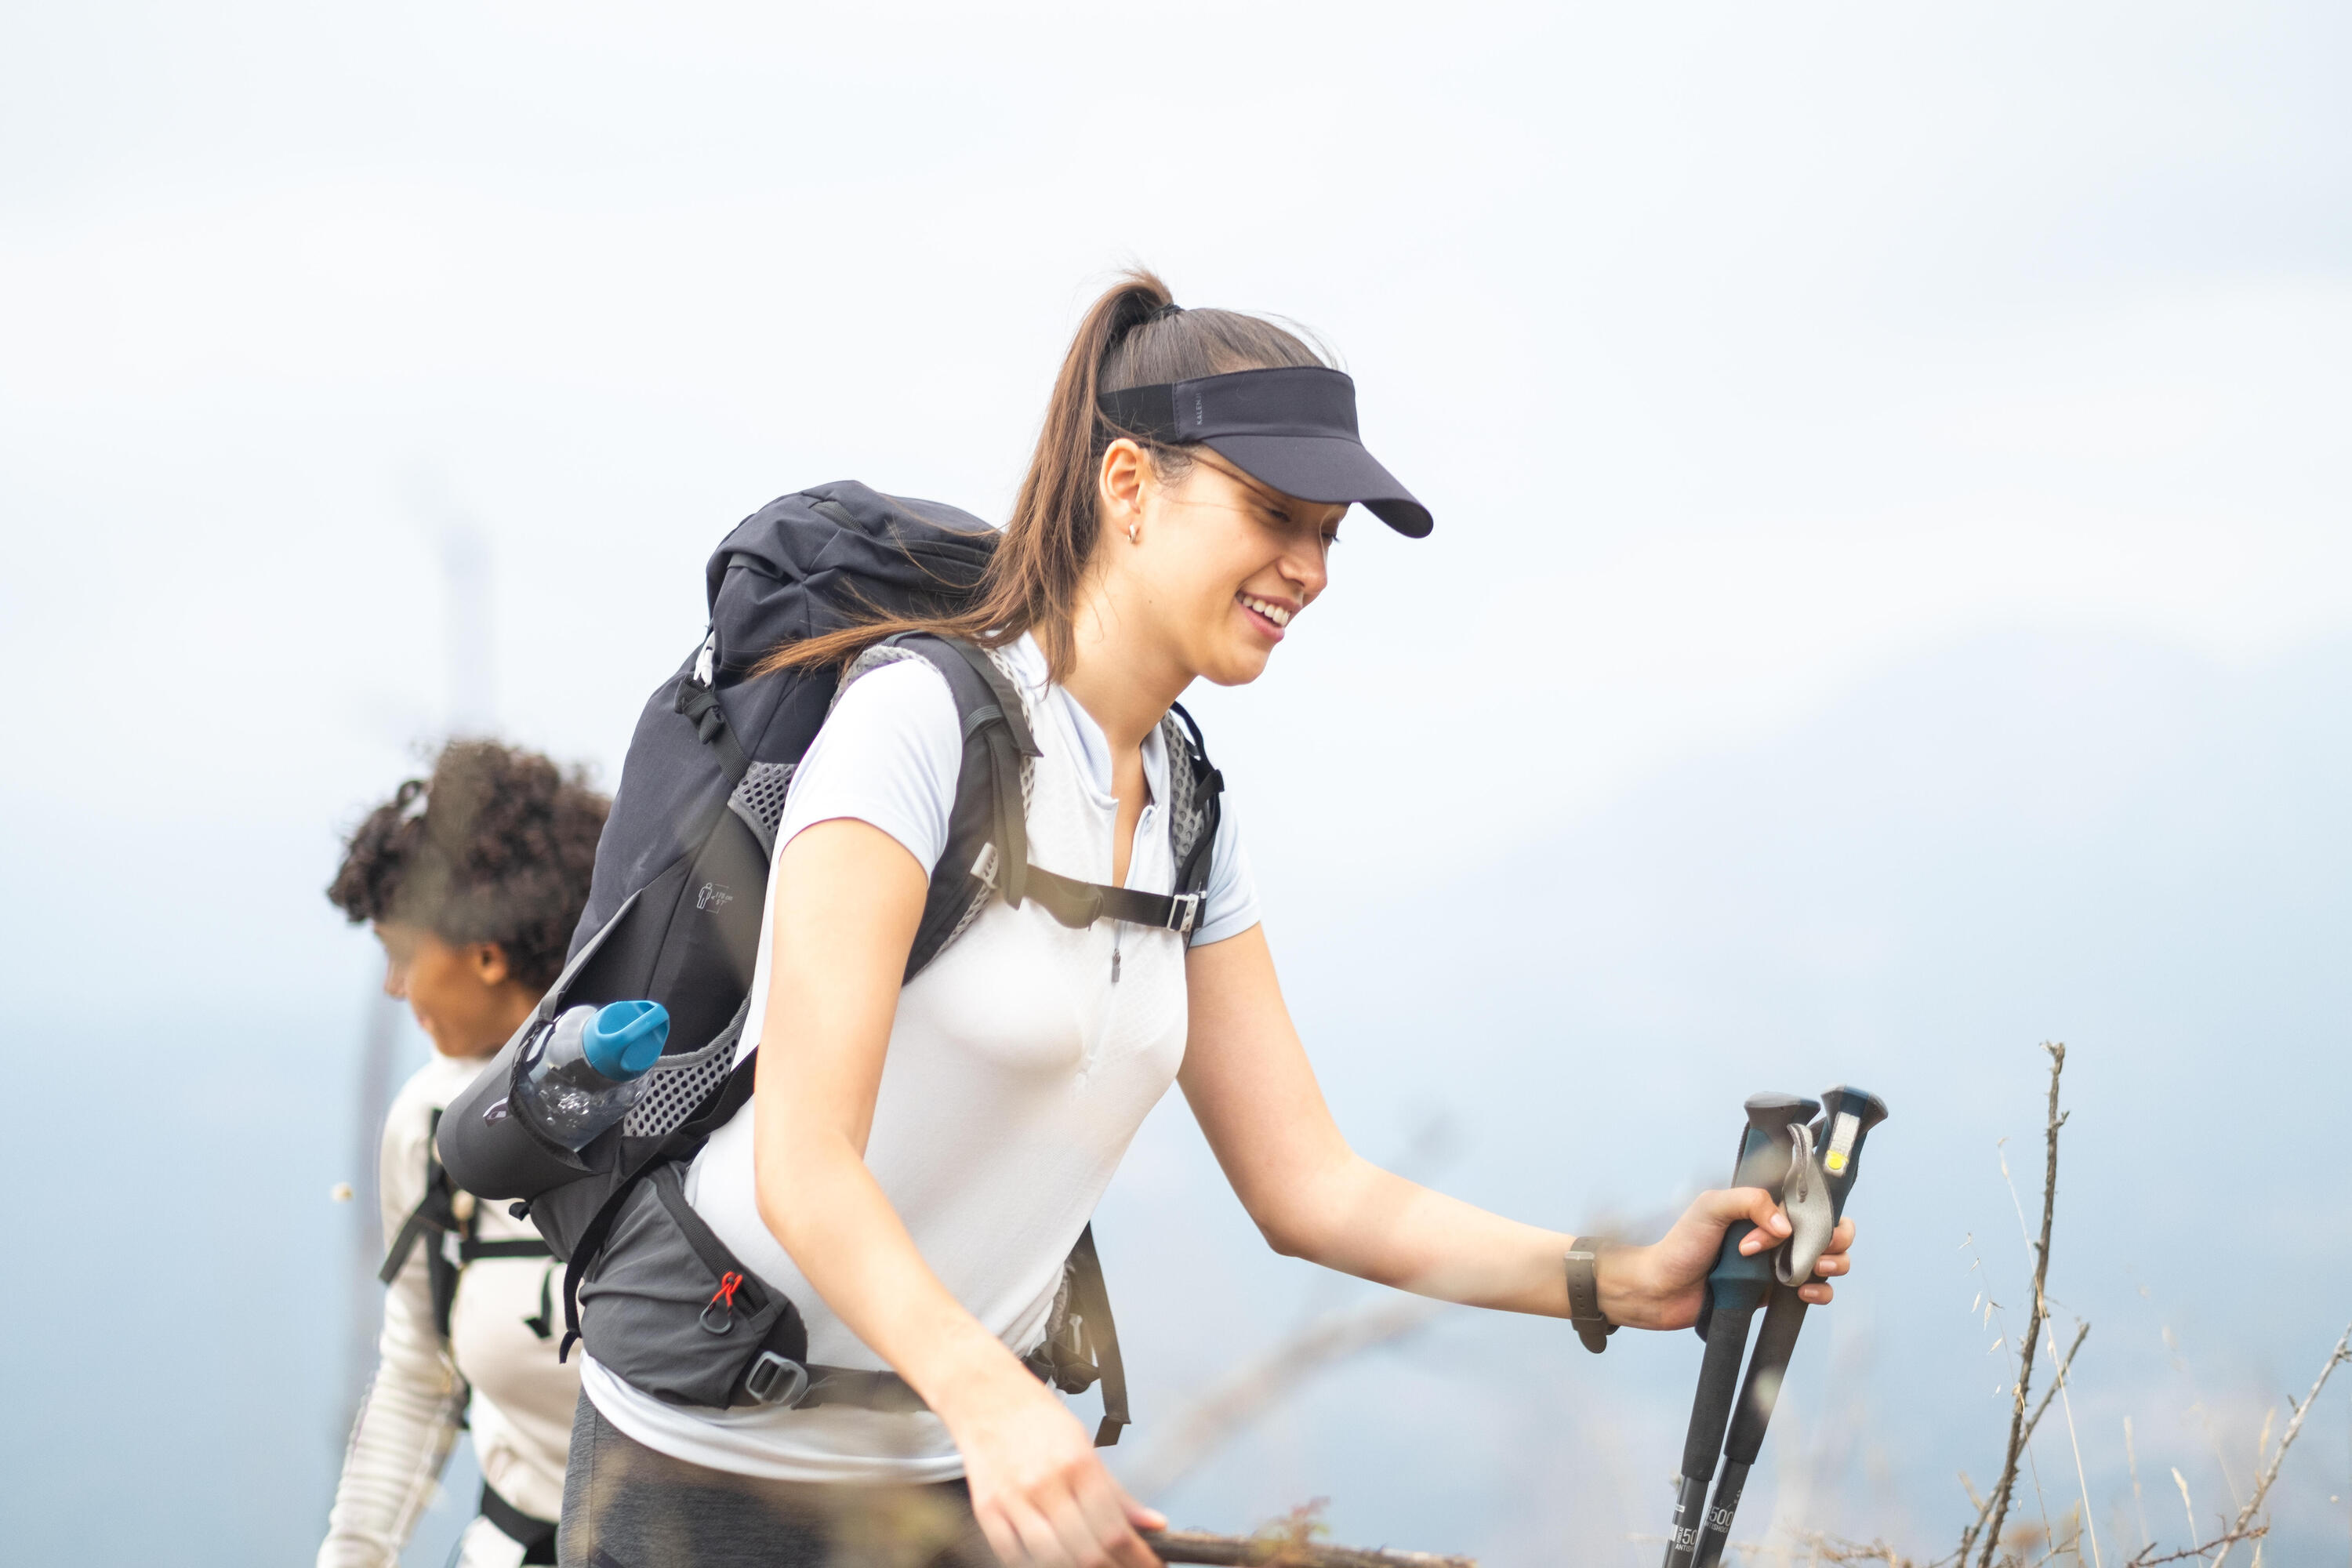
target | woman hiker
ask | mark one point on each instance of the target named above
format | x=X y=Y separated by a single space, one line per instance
x=472 y=881
x=915 y=1160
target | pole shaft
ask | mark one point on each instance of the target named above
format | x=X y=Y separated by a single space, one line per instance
x=1768 y=1369
x=1719 y=1380
x=1715 y=1530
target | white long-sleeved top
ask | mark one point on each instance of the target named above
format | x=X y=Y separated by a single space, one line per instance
x=522 y=1400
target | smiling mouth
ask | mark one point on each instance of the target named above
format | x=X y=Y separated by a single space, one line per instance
x=1273 y=613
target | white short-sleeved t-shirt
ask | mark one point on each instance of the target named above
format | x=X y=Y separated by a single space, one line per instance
x=1017 y=1073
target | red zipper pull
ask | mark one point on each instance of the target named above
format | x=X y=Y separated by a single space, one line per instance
x=723 y=1301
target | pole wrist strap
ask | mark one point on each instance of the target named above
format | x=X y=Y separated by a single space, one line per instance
x=1584 y=1301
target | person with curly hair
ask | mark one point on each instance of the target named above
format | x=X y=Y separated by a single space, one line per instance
x=472 y=880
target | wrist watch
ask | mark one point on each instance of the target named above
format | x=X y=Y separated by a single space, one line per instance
x=1584 y=1299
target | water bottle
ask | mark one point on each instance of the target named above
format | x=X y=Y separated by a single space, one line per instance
x=587 y=1075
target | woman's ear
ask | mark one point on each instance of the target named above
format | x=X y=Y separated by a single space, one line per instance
x=487 y=961
x=1120 y=482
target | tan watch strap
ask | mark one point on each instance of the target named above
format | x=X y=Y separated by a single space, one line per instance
x=1584 y=1301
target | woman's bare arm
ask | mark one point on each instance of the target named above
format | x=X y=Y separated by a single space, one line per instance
x=847 y=900
x=1253 y=1092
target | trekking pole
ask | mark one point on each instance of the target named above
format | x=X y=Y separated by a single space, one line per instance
x=1847 y=1116
x=1736 y=1286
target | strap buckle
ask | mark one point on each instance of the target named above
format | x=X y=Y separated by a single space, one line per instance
x=773 y=1380
x=1184 y=913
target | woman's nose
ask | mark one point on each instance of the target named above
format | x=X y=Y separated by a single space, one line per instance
x=1309 y=570
x=396 y=980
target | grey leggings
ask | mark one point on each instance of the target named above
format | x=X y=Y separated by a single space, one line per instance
x=627 y=1506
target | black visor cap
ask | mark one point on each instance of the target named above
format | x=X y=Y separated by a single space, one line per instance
x=1293 y=428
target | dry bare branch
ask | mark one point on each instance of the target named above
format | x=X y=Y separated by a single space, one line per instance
x=2238 y=1529
x=2222 y=1543
x=1837 y=1548
x=2065 y=1367
x=2030 y=1341
x=1281 y=1549
x=1984 y=1504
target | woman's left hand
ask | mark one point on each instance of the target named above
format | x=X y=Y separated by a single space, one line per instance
x=1663 y=1285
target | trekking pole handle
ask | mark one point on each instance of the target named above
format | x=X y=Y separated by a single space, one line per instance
x=1764 y=1146
x=1764 y=1141
x=1847 y=1116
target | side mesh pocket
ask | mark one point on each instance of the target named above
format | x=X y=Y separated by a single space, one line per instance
x=667 y=1308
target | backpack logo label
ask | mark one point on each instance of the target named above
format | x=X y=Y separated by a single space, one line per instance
x=714 y=896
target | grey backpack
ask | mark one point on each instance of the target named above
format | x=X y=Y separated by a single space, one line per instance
x=674 y=915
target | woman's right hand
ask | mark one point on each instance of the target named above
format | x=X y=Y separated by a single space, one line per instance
x=1037 y=1485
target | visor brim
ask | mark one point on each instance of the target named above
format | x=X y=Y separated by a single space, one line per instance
x=1328 y=469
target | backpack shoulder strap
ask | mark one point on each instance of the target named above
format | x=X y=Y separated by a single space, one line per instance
x=412 y=1231
x=989 y=814
x=988 y=823
x=435 y=1216
x=1195 y=816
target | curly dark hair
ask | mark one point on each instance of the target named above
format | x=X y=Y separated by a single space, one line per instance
x=497 y=846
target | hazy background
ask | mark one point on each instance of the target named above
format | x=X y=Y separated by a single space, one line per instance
x=1891 y=605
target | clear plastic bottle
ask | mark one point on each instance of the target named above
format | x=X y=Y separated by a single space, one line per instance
x=587 y=1075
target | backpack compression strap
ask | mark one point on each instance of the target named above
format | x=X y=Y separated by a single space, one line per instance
x=1093 y=1303
x=698 y=703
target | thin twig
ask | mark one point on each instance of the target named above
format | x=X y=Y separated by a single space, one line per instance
x=2049 y=1396
x=1281 y=1550
x=2222 y=1543
x=2336 y=1358
x=2064 y=1367
x=2007 y=1485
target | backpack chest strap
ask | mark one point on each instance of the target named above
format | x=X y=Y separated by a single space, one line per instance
x=1080 y=904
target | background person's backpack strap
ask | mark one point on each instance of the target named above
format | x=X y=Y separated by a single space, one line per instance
x=433 y=1222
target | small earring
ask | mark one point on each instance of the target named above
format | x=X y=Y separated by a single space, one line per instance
x=1131 y=539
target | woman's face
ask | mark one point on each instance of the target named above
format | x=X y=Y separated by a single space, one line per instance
x=465 y=998
x=1228 y=563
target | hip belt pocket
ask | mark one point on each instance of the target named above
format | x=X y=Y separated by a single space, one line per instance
x=667 y=1307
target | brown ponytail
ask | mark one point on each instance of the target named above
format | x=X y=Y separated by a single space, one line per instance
x=1134 y=335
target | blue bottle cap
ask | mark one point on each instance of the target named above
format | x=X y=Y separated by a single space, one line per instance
x=625 y=1038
